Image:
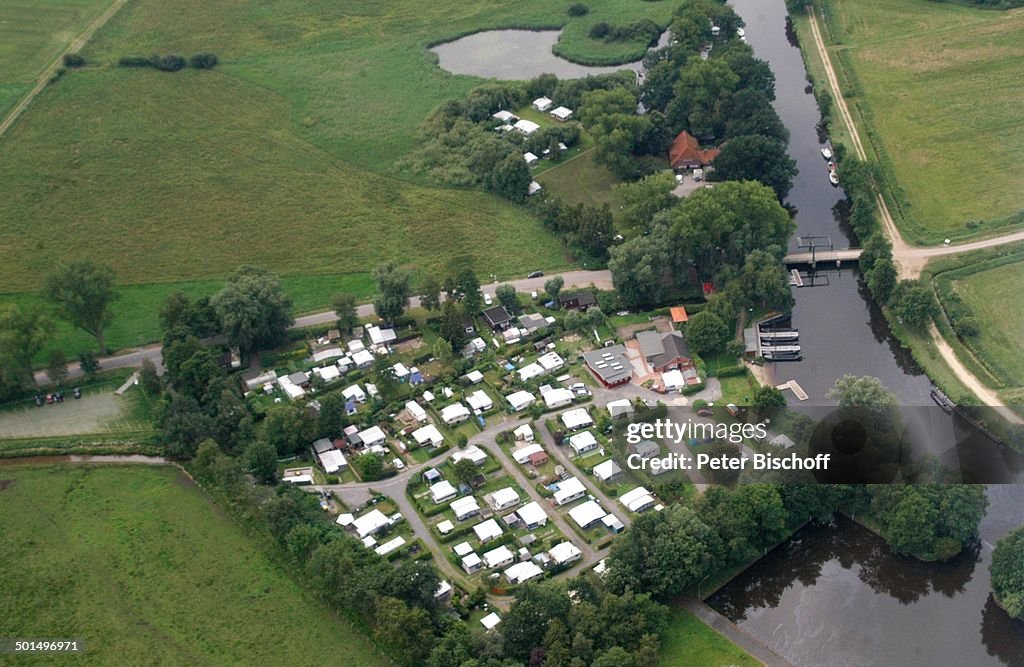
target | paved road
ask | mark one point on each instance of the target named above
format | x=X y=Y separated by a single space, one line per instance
x=133 y=358
x=51 y=69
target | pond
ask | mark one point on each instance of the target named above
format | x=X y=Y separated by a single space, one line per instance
x=514 y=55
x=839 y=596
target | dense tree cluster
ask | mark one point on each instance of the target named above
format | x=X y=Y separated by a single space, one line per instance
x=930 y=522
x=1007 y=571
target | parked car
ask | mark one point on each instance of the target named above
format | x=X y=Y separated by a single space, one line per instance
x=705 y=412
x=487 y=299
x=536 y=274
x=399 y=465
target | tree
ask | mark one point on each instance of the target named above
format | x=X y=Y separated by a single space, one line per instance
x=384 y=377
x=467 y=286
x=862 y=392
x=882 y=279
x=406 y=630
x=344 y=305
x=553 y=286
x=184 y=427
x=510 y=177
x=700 y=99
x=451 y=328
x=23 y=333
x=442 y=351
x=640 y=270
x=149 y=379
x=430 y=293
x=82 y=292
x=752 y=114
x=643 y=199
x=253 y=309
x=508 y=297
x=465 y=471
x=663 y=554
x=371 y=466
x=88 y=363
x=57 y=368
x=594 y=317
x=525 y=626
x=1007 y=570
x=288 y=428
x=261 y=458
x=754 y=157
x=763 y=281
x=414 y=582
x=393 y=288
x=768 y=399
x=706 y=333
x=928 y=521
x=914 y=302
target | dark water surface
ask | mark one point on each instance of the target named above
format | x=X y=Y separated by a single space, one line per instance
x=838 y=596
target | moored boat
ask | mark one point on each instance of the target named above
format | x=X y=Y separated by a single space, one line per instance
x=826 y=152
x=833 y=178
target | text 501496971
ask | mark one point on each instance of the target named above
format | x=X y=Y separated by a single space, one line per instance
x=18 y=646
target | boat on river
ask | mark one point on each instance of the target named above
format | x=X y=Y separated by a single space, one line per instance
x=833 y=178
x=826 y=152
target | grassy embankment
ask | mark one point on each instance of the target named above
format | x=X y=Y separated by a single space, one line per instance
x=282 y=156
x=935 y=90
x=690 y=643
x=137 y=563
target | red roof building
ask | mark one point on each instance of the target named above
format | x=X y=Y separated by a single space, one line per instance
x=686 y=152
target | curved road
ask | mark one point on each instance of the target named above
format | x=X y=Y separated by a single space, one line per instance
x=133 y=358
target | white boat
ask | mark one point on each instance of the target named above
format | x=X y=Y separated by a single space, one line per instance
x=832 y=166
x=740 y=32
x=833 y=178
x=826 y=153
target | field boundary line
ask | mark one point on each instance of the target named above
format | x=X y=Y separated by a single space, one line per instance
x=51 y=69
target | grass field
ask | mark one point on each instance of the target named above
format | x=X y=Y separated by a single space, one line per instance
x=32 y=34
x=689 y=643
x=282 y=156
x=994 y=297
x=140 y=566
x=939 y=85
x=581 y=180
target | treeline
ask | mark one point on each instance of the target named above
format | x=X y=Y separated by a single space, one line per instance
x=460 y=147
x=170 y=62
x=912 y=301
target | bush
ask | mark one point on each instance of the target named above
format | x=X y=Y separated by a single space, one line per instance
x=73 y=60
x=600 y=30
x=203 y=61
x=168 y=63
x=134 y=61
x=578 y=9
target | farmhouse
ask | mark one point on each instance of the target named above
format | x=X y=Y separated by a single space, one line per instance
x=526 y=127
x=561 y=114
x=480 y=401
x=686 y=152
x=465 y=507
x=607 y=471
x=564 y=553
x=664 y=352
x=576 y=419
x=520 y=400
x=524 y=433
x=587 y=514
x=454 y=413
x=609 y=365
x=471 y=563
x=416 y=411
x=497 y=318
x=499 y=557
x=487 y=530
x=442 y=491
x=569 y=490
x=557 y=398
x=428 y=436
x=523 y=572
x=471 y=453
x=584 y=442
x=577 y=300
x=523 y=454
x=502 y=499
x=622 y=407
x=637 y=500
x=532 y=515
x=542 y=104
x=369 y=523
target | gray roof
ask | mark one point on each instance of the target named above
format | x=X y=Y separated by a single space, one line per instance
x=610 y=363
x=659 y=348
x=646 y=449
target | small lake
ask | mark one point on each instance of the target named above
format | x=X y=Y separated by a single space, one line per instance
x=839 y=596
x=514 y=55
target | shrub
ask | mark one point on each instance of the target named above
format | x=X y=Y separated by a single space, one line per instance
x=203 y=61
x=578 y=9
x=133 y=61
x=73 y=60
x=168 y=63
x=600 y=30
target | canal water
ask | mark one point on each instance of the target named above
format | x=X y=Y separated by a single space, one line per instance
x=841 y=329
x=839 y=596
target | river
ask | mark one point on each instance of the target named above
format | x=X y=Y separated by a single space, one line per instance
x=841 y=329
x=838 y=596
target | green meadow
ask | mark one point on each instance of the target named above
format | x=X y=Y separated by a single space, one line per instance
x=140 y=566
x=939 y=86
